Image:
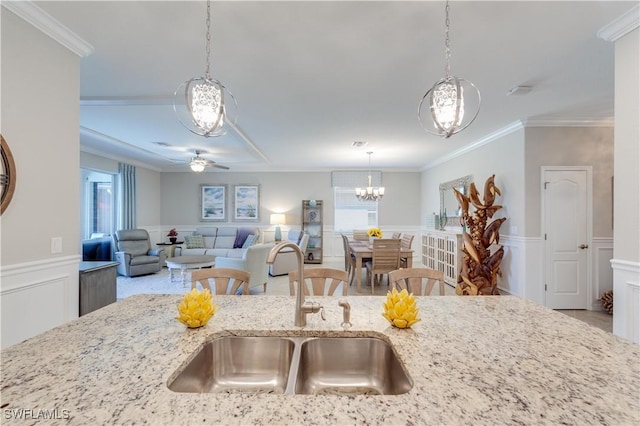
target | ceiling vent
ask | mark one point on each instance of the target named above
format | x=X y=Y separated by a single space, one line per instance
x=359 y=144
x=519 y=90
x=161 y=143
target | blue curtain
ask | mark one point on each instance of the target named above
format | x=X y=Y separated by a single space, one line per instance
x=127 y=174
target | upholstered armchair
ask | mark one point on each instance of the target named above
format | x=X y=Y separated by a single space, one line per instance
x=254 y=261
x=286 y=260
x=134 y=253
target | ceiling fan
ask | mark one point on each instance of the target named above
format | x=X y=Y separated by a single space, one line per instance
x=199 y=163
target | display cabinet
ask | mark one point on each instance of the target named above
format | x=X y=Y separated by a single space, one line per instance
x=312 y=220
x=441 y=250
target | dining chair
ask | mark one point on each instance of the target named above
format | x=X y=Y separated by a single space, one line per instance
x=323 y=281
x=419 y=281
x=349 y=259
x=406 y=241
x=225 y=280
x=360 y=235
x=396 y=235
x=385 y=258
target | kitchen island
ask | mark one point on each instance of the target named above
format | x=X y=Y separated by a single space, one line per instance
x=473 y=360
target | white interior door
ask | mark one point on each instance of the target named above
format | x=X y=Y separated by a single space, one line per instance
x=565 y=228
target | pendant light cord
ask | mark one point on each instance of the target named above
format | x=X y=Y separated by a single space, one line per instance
x=208 y=44
x=447 y=67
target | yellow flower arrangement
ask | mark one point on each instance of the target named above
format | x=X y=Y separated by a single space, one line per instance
x=196 y=308
x=400 y=309
x=375 y=232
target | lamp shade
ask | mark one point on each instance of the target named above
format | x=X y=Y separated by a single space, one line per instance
x=277 y=219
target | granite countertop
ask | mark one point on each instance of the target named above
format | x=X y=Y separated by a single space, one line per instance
x=473 y=360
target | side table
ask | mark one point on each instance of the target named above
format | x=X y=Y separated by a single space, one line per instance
x=171 y=247
x=97 y=285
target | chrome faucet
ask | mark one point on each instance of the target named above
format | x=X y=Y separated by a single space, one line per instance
x=302 y=308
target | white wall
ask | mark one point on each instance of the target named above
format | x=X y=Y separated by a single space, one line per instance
x=626 y=262
x=40 y=122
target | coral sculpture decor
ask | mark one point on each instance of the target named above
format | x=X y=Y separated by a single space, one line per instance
x=196 y=308
x=481 y=264
x=400 y=309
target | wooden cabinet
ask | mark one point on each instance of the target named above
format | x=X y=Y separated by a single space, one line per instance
x=312 y=220
x=441 y=250
x=97 y=285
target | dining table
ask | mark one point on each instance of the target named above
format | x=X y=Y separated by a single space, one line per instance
x=363 y=249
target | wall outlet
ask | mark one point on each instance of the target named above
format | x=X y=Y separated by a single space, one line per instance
x=56 y=245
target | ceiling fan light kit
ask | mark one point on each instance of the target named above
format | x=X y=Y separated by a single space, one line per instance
x=452 y=103
x=204 y=105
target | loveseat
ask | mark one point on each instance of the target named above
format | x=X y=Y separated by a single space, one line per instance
x=225 y=241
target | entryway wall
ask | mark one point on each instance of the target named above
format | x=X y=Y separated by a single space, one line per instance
x=515 y=156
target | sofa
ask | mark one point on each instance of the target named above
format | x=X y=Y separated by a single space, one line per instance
x=225 y=241
x=134 y=253
x=96 y=249
x=233 y=247
x=287 y=260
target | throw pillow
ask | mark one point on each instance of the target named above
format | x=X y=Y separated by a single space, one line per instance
x=251 y=240
x=194 y=241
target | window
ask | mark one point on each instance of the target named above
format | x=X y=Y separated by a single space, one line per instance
x=98 y=201
x=351 y=213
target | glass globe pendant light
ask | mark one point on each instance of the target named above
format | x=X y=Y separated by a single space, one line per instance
x=452 y=103
x=204 y=105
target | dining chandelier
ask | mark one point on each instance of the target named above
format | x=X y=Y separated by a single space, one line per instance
x=369 y=193
x=204 y=105
x=452 y=103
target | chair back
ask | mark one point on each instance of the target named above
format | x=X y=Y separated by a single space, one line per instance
x=419 y=281
x=406 y=240
x=324 y=281
x=396 y=235
x=133 y=241
x=385 y=255
x=225 y=280
x=360 y=235
x=347 y=252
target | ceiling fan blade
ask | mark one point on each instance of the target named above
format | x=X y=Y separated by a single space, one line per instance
x=219 y=166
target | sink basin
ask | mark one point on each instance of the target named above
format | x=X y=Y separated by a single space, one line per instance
x=238 y=364
x=351 y=366
x=293 y=365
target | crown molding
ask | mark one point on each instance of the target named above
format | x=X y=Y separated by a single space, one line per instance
x=510 y=128
x=571 y=122
x=621 y=26
x=50 y=26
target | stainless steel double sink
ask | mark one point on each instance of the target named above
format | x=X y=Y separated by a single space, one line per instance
x=293 y=365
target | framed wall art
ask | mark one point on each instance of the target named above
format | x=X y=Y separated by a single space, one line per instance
x=213 y=203
x=246 y=203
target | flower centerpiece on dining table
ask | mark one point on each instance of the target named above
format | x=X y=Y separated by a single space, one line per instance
x=374 y=233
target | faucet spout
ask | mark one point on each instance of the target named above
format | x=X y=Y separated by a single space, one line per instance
x=300 y=318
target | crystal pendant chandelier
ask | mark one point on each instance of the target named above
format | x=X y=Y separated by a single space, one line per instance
x=453 y=102
x=204 y=105
x=369 y=193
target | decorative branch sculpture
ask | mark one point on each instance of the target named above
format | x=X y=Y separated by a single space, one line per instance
x=480 y=274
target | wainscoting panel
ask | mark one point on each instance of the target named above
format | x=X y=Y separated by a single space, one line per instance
x=601 y=273
x=36 y=297
x=626 y=299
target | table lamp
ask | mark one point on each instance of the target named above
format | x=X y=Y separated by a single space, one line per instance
x=277 y=219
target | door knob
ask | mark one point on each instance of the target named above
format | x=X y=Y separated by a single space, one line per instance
x=583 y=246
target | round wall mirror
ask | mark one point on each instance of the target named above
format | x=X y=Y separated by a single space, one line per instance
x=8 y=176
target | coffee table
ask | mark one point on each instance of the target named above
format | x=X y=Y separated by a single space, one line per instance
x=188 y=262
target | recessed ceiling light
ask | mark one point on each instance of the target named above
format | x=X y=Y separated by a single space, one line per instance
x=359 y=144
